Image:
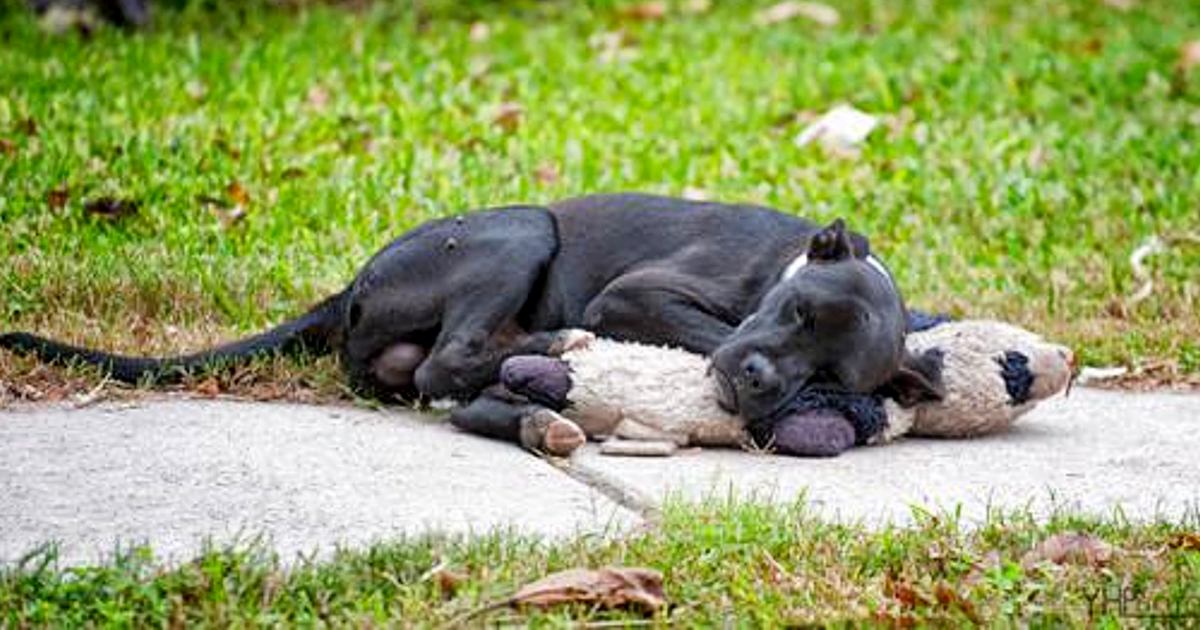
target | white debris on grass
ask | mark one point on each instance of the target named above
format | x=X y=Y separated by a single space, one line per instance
x=842 y=127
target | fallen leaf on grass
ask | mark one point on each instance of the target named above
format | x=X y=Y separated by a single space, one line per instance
x=1069 y=548
x=8 y=147
x=110 y=208
x=547 y=174
x=230 y=208
x=905 y=594
x=508 y=116
x=57 y=198
x=1189 y=55
x=291 y=172
x=448 y=580
x=949 y=598
x=209 y=387
x=238 y=194
x=653 y=10
x=609 y=587
x=822 y=14
x=28 y=126
x=1185 y=541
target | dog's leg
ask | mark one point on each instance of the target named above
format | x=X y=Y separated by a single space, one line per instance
x=654 y=306
x=454 y=288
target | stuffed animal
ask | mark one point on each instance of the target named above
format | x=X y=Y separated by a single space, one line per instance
x=647 y=400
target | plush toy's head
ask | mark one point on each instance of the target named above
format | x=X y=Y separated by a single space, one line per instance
x=993 y=373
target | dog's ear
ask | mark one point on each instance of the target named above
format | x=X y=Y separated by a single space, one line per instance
x=831 y=244
x=918 y=380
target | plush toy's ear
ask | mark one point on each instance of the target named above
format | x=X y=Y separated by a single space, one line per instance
x=918 y=380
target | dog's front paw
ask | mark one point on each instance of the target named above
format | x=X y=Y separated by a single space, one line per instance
x=571 y=339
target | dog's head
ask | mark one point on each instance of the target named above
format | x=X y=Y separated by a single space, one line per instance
x=834 y=320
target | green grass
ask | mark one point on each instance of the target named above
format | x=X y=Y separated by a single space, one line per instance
x=724 y=562
x=1031 y=147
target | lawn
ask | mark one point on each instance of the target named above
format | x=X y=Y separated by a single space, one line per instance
x=165 y=190
x=724 y=564
x=1029 y=149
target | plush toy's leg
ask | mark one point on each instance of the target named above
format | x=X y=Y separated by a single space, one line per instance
x=544 y=380
x=813 y=434
x=638 y=448
x=532 y=426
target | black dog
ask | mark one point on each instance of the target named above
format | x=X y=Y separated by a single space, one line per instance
x=778 y=302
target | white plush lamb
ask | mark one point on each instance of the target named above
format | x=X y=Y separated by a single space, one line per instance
x=646 y=400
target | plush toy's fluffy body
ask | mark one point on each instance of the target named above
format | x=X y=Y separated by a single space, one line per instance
x=651 y=400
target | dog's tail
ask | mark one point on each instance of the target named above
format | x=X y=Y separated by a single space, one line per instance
x=315 y=332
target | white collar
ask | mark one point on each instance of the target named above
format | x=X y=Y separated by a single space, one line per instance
x=800 y=261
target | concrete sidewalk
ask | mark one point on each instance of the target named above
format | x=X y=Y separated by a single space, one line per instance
x=176 y=472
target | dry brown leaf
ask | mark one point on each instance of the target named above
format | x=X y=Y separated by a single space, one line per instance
x=318 y=96
x=448 y=581
x=8 y=147
x=28 y=126
x=110 y=208
x=237 y=193
x=653 y=10
x=1185 y=541
x=1069 y=547
x=1189 y=55
x=906 y=595
x=291 y=172
x=209 y=387
x=609 y=587
x=822 y=14
x=508 y=116
x=547 y=174
x=57 y=198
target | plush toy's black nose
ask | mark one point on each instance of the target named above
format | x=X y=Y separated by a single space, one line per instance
x=758 y=375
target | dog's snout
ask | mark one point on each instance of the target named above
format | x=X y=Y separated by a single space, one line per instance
x=758 y=374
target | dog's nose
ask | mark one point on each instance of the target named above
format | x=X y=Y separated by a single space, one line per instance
x=758 y=375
